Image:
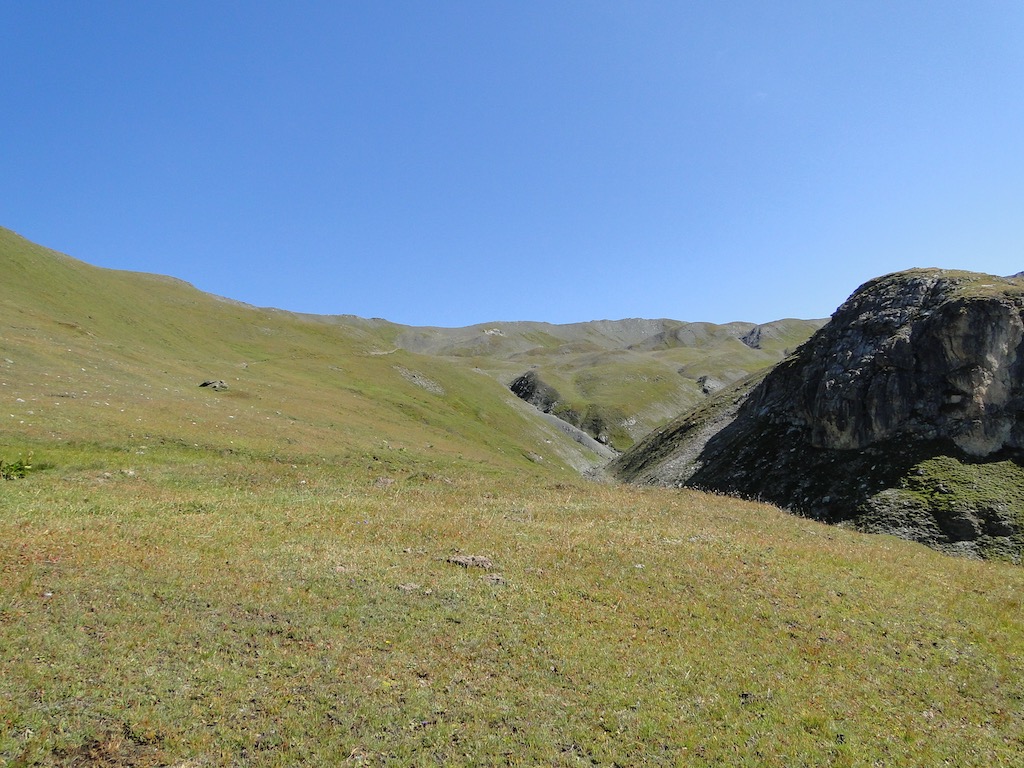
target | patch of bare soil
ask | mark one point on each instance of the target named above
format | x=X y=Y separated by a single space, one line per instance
x=115 y=749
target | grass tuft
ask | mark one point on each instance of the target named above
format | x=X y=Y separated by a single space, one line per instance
x=15 y=470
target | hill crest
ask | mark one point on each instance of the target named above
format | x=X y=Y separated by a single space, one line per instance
x=619 y=379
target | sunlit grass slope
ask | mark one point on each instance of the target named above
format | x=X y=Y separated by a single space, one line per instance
x=117 y=358
x=620 y=379
x=263 y=576
x=184 y=607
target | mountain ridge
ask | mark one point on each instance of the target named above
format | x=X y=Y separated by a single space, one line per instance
x=609 y=382
x=619 y=379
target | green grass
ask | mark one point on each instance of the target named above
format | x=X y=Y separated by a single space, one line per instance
x=982 y=501
x=201 y=609
x=262 y=576
x=947 y=483
x=614 y=380
x=117 y=357
x=14 y=470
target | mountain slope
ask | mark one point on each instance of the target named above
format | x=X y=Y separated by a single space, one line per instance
x=148 y=340
x=905 y=414
x=617 y=379
x=84 y=347
x=276 y=573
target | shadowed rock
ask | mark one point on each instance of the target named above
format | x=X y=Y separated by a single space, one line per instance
x=532 y=389
x=904 y=414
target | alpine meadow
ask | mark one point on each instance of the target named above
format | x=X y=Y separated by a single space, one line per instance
x=356 y=546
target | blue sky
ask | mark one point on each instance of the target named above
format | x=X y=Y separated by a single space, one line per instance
x=448 y=163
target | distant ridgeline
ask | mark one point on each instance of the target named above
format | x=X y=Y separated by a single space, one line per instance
x=614 y=379
x=902 y=415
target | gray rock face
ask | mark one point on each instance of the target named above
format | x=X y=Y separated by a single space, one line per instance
x=752 y=338
x=928 y=354
x=709 y=384
x=531 y=388
x=904 y=414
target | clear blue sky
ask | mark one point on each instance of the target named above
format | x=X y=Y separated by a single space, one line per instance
x=447 y=163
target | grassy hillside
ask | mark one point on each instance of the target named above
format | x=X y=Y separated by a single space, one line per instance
x=621 y=378
x=86 y=352
x=268 y=575
x=195 y=608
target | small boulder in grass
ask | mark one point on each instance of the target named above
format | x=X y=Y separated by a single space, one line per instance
x=471 y=561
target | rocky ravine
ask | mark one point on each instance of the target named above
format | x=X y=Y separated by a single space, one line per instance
x=615 y=379
x=904 y=414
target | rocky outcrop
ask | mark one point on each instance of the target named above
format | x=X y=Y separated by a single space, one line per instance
x=590 y=421
x=752 y=338
x=904 y=414
x=929 y=354
x=709 y=384
x=531 y=388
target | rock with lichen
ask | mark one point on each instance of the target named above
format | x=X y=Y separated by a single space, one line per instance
x=904 y=414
